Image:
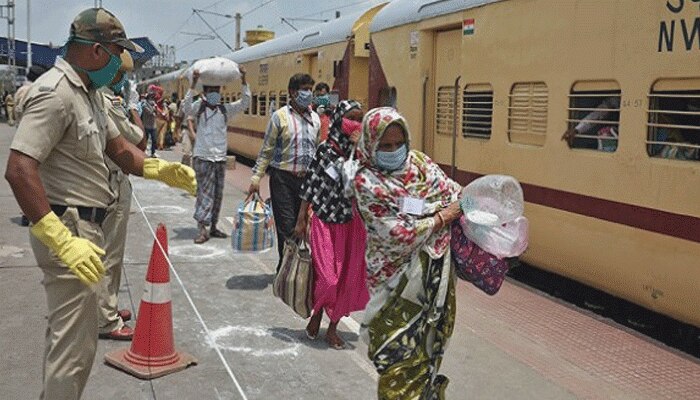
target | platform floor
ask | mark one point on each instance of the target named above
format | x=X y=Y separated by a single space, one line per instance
x=519 y=344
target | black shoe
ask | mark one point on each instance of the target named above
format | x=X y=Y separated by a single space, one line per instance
x=215 y=233
x=25 y=220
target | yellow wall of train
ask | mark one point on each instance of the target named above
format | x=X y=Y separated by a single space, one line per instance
x=560 y=43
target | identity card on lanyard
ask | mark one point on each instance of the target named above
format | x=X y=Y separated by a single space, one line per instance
x=412 y=205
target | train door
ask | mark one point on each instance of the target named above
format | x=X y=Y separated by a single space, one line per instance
x=314 y=69
x=446 y=67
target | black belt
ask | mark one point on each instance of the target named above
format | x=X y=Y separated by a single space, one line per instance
x=90 y=214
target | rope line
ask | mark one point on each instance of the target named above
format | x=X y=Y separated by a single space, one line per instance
x=189 y=299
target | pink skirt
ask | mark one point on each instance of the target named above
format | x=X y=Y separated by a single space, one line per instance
x=338 y=255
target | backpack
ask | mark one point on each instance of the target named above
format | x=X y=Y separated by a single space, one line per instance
x=203 y=106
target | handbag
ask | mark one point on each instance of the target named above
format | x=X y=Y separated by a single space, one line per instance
x=473 y=264
x=294 y=282
x=253 y=230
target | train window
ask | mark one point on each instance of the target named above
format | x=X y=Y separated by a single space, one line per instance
x=594 y=116
x=444 y=112
x=254 y=104
x=477 y=111
x=273 y=102
x=527 y=119
x=283 y=99
x=262 y=104
x=674 y=120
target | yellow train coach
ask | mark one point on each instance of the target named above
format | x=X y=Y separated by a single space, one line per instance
x=492 y=86
x=335 y=52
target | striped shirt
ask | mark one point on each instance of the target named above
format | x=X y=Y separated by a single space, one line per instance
x=289 y=144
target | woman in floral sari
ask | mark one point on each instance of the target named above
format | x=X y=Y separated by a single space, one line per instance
x=407 y=204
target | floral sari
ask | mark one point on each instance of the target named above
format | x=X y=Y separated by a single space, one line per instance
x=410 y=316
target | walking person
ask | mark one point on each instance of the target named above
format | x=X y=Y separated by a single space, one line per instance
x=58 y=174
x=148 y=117
x=408 y=204
x=337 y=234
x=111 y=320
x=10 y=108
x=288 y=148
x=209 y=154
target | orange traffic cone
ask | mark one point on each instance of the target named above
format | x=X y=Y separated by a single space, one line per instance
x=152 y=353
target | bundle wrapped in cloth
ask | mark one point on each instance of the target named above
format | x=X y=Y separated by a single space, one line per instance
x=215 y=71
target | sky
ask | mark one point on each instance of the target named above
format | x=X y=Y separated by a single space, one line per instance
x=172 y=22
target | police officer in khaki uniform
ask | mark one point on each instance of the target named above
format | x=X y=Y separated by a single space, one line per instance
x=58 y=174
x=110 y=319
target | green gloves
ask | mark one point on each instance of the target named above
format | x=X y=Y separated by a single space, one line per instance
x=172 y=174
x=80 y=255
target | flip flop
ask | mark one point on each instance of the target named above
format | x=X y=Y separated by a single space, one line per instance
x=310 y=336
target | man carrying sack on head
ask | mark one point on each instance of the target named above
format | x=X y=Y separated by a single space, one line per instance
x=58 y=174
x=210 y=117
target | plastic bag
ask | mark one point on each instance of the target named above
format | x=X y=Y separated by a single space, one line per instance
x=493 y=200
x=215 y=71
x=503 y=241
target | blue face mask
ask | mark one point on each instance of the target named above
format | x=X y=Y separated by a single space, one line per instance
x=117 y=87
x=213 y=98
x=103 y=76
x=392 y=160
x=304 y=98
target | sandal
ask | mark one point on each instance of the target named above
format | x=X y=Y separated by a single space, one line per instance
x=215 y=233
x=336 y=345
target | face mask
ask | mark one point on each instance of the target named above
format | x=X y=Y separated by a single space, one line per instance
x=349 y=126
x=304 y=98
x=103 y=76
x=392 y=160
x=213 y=98
x=117 y=87
x=323 y=100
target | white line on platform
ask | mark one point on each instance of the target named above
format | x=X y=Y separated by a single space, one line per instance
x=349 y=322
x=189 y=299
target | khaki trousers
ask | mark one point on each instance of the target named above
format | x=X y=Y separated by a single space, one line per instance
x=10 y=115
x=71 y=335
x=114 y=227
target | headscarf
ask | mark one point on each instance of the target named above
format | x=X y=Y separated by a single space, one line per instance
x=325 y=192
x=394 y=238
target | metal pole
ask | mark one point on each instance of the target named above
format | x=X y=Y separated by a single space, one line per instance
x=29 y=35
x=238 y=31
x=454 y=128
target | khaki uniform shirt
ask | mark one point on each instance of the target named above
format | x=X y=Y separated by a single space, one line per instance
x=19 y=100
x=66 y=129
x=130 y=132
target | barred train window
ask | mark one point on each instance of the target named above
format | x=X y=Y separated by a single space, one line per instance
x=674 y=120
x=283 y=99
x=273 y=102
x=594 y=112
x=444 y=112
x=477 y=111
x=527 y=113
x=254 y=104
x=262 y=106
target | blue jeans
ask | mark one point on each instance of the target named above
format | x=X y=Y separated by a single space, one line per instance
x=153 y=135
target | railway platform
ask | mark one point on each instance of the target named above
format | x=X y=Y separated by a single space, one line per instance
x=519 y=344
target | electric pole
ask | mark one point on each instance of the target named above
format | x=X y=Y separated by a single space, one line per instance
x=8 y=12
x=238 y=31
x=29 y=35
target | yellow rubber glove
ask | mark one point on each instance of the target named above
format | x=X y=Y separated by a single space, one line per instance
x=172 y=174
x=80 y=255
